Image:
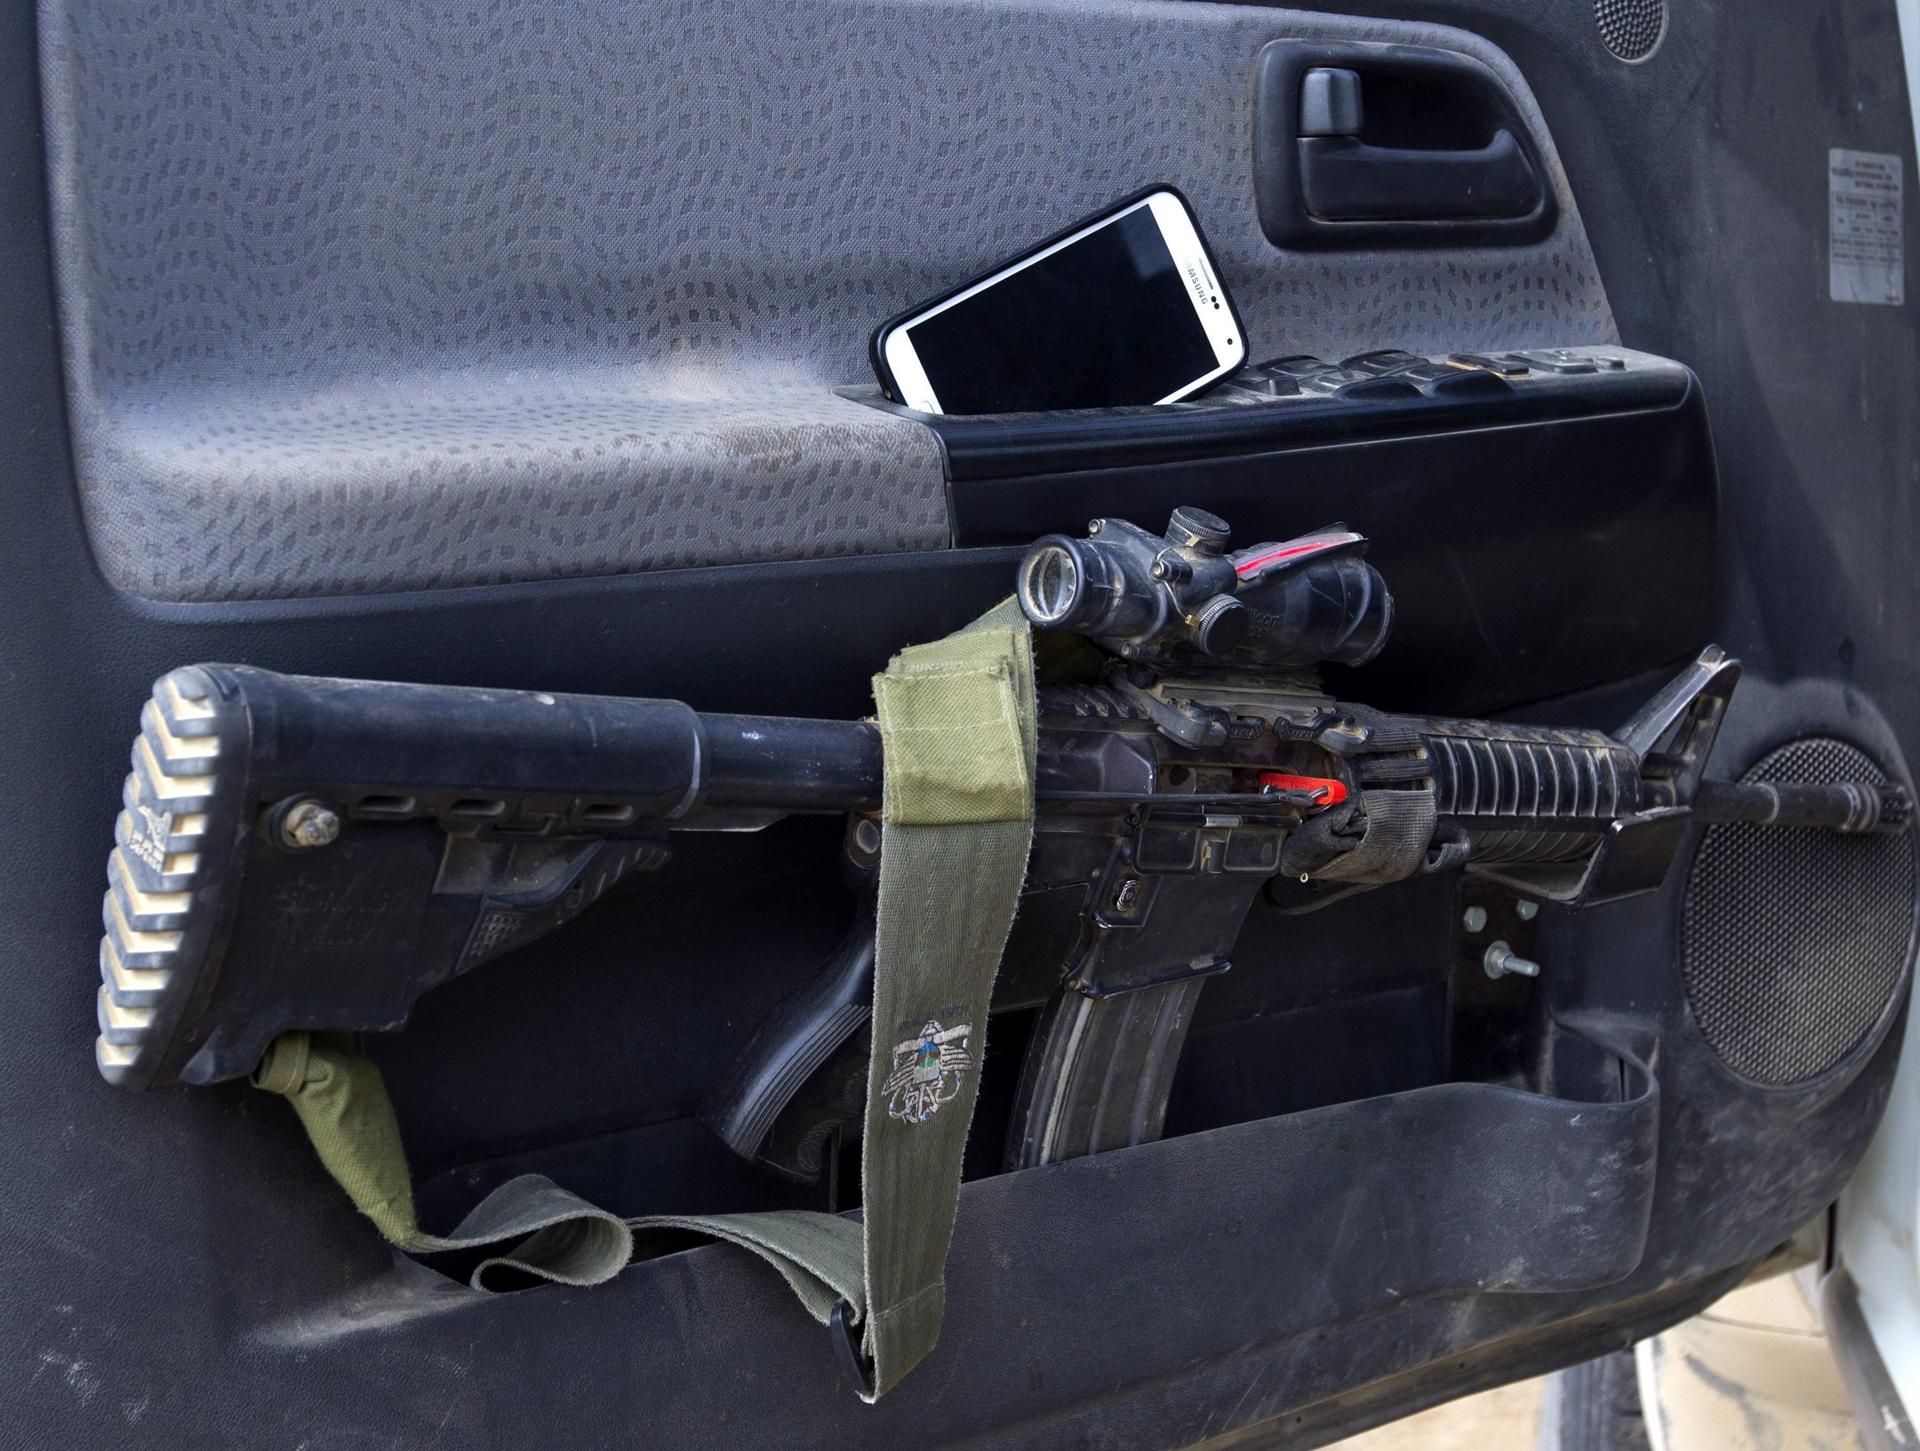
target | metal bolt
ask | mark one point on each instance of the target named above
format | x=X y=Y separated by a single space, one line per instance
x=1474 y=919
x=1129 y=895
x=1500 y=959
x=307 y=824
x=866 y=836
x=1526 y=911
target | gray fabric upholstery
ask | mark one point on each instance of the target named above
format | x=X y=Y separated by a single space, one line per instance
x=473 y=477
x=383 y=297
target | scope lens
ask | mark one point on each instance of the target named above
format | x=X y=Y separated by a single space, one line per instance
x=1049 y=584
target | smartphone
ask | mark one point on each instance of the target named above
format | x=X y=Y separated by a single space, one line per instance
x=1126 y=307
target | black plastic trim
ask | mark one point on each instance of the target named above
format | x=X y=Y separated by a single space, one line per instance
x=1022 y=445
x=1540 y=536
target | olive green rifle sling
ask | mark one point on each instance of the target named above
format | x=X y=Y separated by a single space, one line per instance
x=957 y=726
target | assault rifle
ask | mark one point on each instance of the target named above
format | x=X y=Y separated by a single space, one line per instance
x=316 y=853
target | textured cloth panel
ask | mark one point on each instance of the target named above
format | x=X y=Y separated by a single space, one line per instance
x=463 y=479
x=379 y=297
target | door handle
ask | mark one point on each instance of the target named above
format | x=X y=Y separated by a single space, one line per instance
x=1371 y=145
x=1343 y=179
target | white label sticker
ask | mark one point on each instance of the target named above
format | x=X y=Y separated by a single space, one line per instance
x=1866 y=252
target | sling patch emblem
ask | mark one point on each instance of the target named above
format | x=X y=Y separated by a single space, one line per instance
x=926 y=1072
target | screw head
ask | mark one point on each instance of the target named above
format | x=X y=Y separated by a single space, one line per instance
x=307 y=824
x=1526 y=911
x=1474 y=919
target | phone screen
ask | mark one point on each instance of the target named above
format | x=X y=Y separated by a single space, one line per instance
x=1103 y=322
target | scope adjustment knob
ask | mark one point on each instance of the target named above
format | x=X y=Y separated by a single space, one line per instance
x=1192 y=528
x=1220 y=626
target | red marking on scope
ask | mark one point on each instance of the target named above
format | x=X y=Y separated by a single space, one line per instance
x=1294 y=550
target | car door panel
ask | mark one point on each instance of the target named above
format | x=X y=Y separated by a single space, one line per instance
x=499 y=345
x=599 y=328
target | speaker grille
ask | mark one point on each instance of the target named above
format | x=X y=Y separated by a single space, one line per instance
x=1792 y=940
x=1631 y=29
